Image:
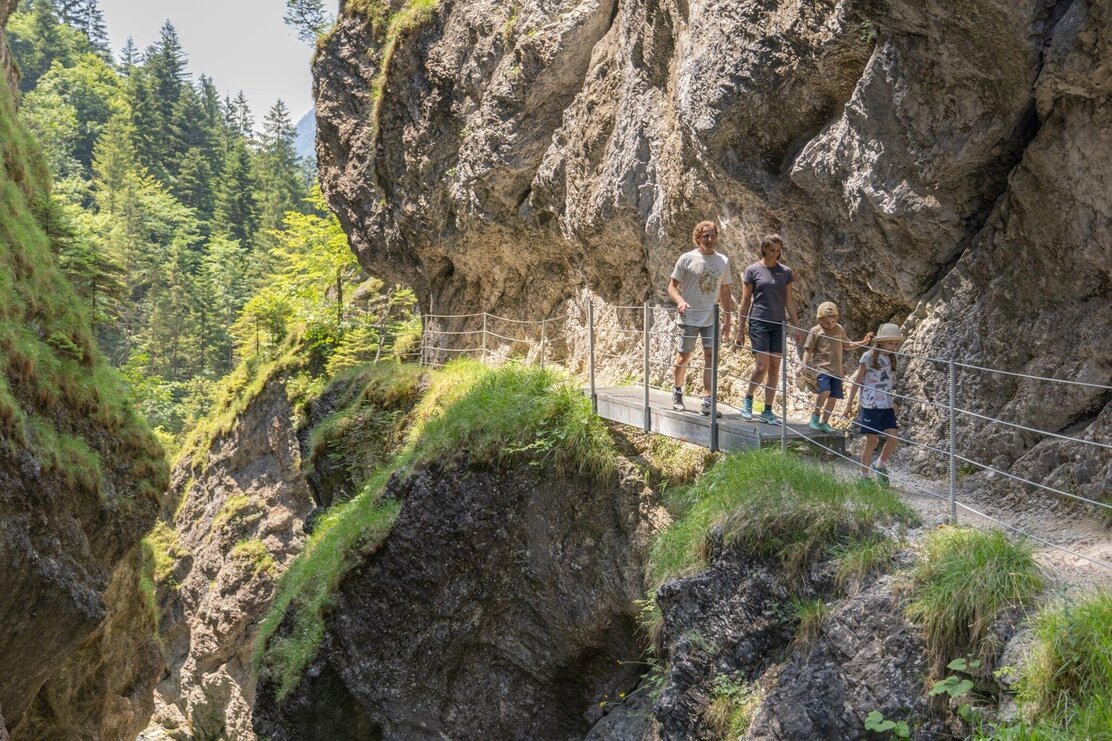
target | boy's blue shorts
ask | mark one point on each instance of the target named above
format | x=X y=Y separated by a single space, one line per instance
x=826 y=383
x=876 y=421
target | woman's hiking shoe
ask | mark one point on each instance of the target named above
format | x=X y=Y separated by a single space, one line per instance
x=677 y=401
x=706 y=408
x=769 y=418
x=827 y=428
x=881 y=474
x=814 y=423
x=747 y=409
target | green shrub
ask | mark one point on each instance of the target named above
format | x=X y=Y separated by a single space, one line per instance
x=965 y=580
x=774 y=506
x=164 y=553
x=1068 y=679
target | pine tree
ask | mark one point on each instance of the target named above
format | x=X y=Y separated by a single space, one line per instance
x=129 y=57
x=309 y=18
x=166 y=63
x=147 y=123
x=114 y=160
x=236 y=214
x=238 y=116
x=281 y=187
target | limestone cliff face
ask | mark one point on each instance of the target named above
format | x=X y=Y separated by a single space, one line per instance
x=79 y=483
x=238 y=524
x=940 y=167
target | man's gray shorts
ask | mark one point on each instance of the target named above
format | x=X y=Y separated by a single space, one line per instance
x=687 y=335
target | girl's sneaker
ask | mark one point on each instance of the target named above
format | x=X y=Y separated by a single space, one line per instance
x=881 y=474
x=677 y=401
x=827 y=428
x=814 y=423
x=747 y=409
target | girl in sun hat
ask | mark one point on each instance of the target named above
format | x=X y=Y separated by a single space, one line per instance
x=822 y=354
x=876 y=376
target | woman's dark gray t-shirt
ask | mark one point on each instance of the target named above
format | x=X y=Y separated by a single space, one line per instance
x=770 y=290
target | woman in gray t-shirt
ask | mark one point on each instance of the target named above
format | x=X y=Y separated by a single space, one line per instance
x=766 y=294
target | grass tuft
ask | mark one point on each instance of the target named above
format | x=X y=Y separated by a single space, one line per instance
x=965 y=580
x=811 y=615
x=1068 y=678
x=254 y=551
x=347 y=533
x=858 y=561
x=773 y=506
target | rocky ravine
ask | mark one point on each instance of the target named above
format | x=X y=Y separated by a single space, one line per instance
x=79 y=484
x=947 y=169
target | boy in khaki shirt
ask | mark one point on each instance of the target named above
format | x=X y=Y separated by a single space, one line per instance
x=822 y=354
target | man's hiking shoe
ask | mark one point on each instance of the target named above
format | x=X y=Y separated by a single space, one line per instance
x=827 y=428
x=881 y=474
x=814 y=423
x=769 y=418
x=677 y=401
x=706 y=408
x=747 y=409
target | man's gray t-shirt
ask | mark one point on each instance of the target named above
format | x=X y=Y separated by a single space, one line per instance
x=700 y=277
x=770 y=290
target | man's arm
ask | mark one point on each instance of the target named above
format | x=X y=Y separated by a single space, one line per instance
x=799 y=336
x=743 y=311
x=726 y=298
x=674 y=292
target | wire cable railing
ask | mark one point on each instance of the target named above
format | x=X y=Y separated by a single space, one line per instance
x=643 y=347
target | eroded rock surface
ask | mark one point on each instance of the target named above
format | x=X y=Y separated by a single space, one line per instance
x=499 y=606
x=239 y=524
x=948 y=168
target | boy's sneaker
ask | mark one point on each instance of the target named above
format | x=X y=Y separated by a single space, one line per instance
x=881 y=474
x=677 y=401
x=747 y=409
x=814 y=423
x=827 y=428
x=769 y=418
x=706 y=408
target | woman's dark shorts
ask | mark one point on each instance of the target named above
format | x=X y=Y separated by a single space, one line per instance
x=832 y=384
x=876 y=421
x=767 y=337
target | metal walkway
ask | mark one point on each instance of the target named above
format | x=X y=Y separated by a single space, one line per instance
x=626 y=405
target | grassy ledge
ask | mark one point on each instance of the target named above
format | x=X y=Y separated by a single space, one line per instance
x=514 y=415
x=774 y=506
x=964 y=581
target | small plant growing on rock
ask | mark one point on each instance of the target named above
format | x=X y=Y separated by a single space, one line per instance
x=812 y=615
x=732 y=705
x=878 y=723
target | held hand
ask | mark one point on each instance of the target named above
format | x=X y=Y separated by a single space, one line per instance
x=800 y=338
x=681 y=307
x=726 y=326
x=868 y=337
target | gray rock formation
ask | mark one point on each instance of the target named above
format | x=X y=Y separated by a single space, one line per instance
x=498 y=607
x=941 y=166
x=238 y=525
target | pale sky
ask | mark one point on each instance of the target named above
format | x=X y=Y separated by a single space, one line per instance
x=240 y=44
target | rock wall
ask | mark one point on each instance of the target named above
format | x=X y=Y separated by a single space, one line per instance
x=239 y=522
x=939 y=167
x=501 y=605
x=79 y=482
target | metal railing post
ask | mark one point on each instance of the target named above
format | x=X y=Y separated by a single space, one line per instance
x=424 y=332
x=952 y=392
x=714 y=383
x=542 y=343
x=648 y=410
x=784 y=391
x=591 y=350
x=484 y=337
